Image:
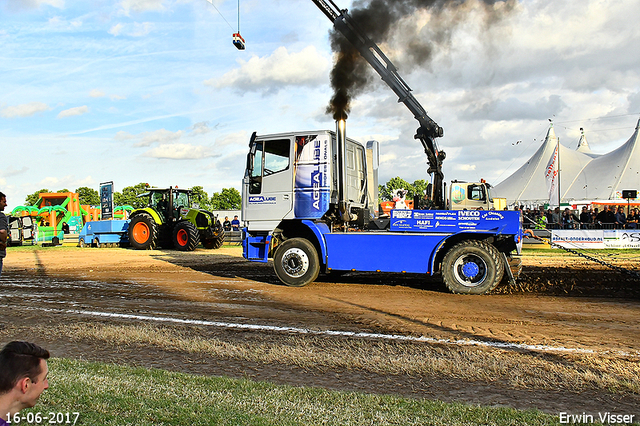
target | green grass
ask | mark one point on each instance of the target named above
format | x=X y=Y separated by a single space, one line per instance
x=106 y=394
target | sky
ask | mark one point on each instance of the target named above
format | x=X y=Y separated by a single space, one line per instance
x=153 y=91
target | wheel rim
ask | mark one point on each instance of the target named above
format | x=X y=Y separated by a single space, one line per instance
x=295 y=262
x=140 y=232
x=470 y=270
x=182 y=237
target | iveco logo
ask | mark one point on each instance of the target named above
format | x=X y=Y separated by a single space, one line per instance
x=467 y=213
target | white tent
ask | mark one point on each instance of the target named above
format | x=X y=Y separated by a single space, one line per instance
x=605 y=177
x=528 y=184
x=583 y=146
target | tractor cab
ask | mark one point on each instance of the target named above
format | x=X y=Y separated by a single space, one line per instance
x=168 y=202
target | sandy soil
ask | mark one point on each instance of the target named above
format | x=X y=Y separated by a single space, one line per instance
x=560 y=302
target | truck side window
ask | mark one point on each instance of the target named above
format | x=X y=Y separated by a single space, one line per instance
x=276 y=156
x=255 y=180
x=476 y=193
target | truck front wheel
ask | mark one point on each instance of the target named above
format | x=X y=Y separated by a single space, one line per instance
x=472 y=267
x=296 y=262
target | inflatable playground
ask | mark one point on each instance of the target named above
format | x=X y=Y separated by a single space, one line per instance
x=60 y=214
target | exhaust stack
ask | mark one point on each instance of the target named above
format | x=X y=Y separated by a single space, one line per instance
x=343 y=202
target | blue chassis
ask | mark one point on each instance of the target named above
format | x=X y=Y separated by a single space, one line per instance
x=412 y=250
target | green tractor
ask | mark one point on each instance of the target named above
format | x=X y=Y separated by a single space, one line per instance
x=168 y=220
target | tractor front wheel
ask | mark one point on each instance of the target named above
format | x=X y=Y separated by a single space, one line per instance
x=218 y=237
x=143 y=232
x=185 y=236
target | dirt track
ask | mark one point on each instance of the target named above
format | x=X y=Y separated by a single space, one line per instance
x=569 y=303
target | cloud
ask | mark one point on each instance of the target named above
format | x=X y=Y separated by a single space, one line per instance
x=137 y=29
x=138 y=6
x=74 y=111
x=24 y=110
x=16 y=5
x=117 y=97
x=116 y=29
x=180 y=151
x=201 y=128
x=161 y=136
x=270 y=73
x=123 y=136
x=95 y=93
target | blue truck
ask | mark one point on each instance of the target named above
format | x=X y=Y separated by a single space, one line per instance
x=310 y=203
x=104 y=233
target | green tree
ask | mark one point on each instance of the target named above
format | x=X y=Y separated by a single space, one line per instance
x=129 y=196
x=200 y=197
x=88 y=196
x=63 y=190
x=32 y=199
x=227 y=199
x=387 y=190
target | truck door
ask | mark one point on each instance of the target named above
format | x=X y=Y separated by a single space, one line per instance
x=268 y=184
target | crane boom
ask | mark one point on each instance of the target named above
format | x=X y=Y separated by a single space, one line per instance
x=429 y=129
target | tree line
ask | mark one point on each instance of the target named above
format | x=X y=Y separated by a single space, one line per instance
x=227 y=199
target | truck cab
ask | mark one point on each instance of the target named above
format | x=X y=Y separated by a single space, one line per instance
x=293 y=176
x=472 y=196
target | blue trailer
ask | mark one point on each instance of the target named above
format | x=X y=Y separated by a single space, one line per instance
x=104 y=233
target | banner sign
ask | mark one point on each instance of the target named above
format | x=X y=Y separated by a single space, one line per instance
x=106 y=200
x=597 y=238
x=452 y=221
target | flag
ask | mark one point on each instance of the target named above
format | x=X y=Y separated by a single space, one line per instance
x=551 y=174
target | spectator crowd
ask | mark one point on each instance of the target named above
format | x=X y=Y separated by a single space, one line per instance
x=586 y=218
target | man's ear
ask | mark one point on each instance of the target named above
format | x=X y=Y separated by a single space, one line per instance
x=24 y=384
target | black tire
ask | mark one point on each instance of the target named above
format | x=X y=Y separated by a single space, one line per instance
x=296 y=262
x=218 y=237
x=96 y=242
x=143 y=232
x=472 y=267
x=81 y=243
x=185 y=236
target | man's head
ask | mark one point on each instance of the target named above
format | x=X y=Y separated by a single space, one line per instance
x=3 y=201
x=23 y=369
x=235 y=217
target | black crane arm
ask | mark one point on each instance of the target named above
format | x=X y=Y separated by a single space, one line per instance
x=429 y=129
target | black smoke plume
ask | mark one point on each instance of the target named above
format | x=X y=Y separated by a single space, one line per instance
x=351 y=74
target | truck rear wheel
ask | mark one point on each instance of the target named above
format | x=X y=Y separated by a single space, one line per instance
x=296 y=262
x=185 y=236
x=143 y=232
x=472 y=267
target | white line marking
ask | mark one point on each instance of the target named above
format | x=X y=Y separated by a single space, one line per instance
x=274 y=328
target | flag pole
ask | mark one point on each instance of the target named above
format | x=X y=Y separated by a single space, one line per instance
x=558 y=148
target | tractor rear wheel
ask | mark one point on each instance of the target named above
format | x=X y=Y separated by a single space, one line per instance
x=472 y=267
x=185 y=236
x=143 y=232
